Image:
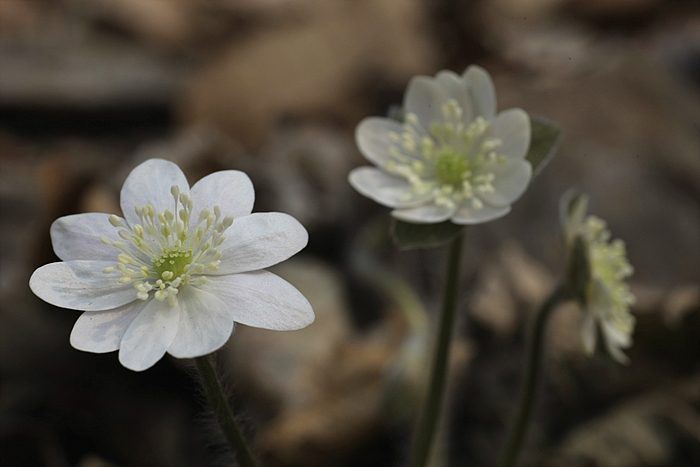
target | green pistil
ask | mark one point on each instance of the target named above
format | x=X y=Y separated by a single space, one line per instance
x=451 y=166
x=173 y=260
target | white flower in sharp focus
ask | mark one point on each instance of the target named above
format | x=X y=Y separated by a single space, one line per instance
x=607 y=297
x=177 y=271
x=453 y=157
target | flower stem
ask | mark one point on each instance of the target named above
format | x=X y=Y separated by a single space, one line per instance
x=223 y=412
x=429 y=417
x=511 y=449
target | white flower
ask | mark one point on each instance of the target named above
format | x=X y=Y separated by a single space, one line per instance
x=453 y=158
x=177 y=271
x=606 y=295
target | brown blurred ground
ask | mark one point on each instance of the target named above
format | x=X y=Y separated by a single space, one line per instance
x=89 y=88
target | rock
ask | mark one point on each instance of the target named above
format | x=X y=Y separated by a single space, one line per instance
x=310 y=69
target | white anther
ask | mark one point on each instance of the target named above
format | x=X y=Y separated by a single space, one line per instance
x=217 y=211
x=175 y=191
x=142 y=295
x=106 y=241
x=115 y=221
x=108 y=270
x=167 y=275
x=228 y=221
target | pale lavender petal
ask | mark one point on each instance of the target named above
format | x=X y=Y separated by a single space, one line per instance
x=102 y=331
x=81 y=285
x=149 y=335
x=231 y=190
x=512 y=127
x=482 y=92
x=260 y=240
x=385 y=189
x=262 y=300
x=78 y=237
x=467 y=214
x=150 y=183
x=205 y=324
x=428 y=214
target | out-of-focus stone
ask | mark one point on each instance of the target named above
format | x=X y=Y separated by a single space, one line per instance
x=284 y=367
x=680 y=301
x=493 y=304
x=307 y=168
x=633 y=433
x=316 y=68
x=529 y=279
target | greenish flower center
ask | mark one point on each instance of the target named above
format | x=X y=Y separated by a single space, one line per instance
x=173 y=260
x=451 y=166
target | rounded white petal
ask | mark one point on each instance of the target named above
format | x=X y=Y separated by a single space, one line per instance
x=78 y=237
x=260 y=240
x=481 y=91
x=81 y=285
x=589 y=334
x=372 y=137
x=231 y=190
x=512 y=178
x=456 y=88
x=424 y=97
x=149 y=335
x=150 y=183
x=205 y=324
x=102 y=331
x=263 y=300
x=385 y=189
x=467 y=215
x=512 y=127
x=428 y=214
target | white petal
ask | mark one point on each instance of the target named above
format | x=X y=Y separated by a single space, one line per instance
x=482 y=92
x=512 y=127
x=512 y=178
x=589 y=334
x=385 y=189
x=372 y=137
x=205 y=324
x=81 y=285
x=428 y=214
x=456 y=88
x=78 y=237
x=260 y=240
x=614 y=336
x=262 y=300
x=231 y=190
x=424 y=97
x=614 y=341
x=102 y=331
x=467 y=215
x=150 y=183
x=149 y=335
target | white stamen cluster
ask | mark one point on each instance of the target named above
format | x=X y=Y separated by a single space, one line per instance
x=166 y=250
x=610 y=266
x=451 y=161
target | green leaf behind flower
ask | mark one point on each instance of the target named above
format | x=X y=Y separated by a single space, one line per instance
x=544 y=140
x=409 y=236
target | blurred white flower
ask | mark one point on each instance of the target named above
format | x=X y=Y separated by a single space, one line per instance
x=165 y=278
x=606 y=295
x=453 y=157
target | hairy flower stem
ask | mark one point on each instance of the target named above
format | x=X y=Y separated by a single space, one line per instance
x=427 y=422
x=223 y=412
x=511 y=449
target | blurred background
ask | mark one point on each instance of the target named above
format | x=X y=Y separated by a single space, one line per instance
x=91 y=88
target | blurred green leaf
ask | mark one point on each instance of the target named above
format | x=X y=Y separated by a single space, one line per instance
x=543 y=142
x=409 y=236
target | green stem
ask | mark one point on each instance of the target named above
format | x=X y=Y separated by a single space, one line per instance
x=429 y=417
x=509 y=454
x=223 y=412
